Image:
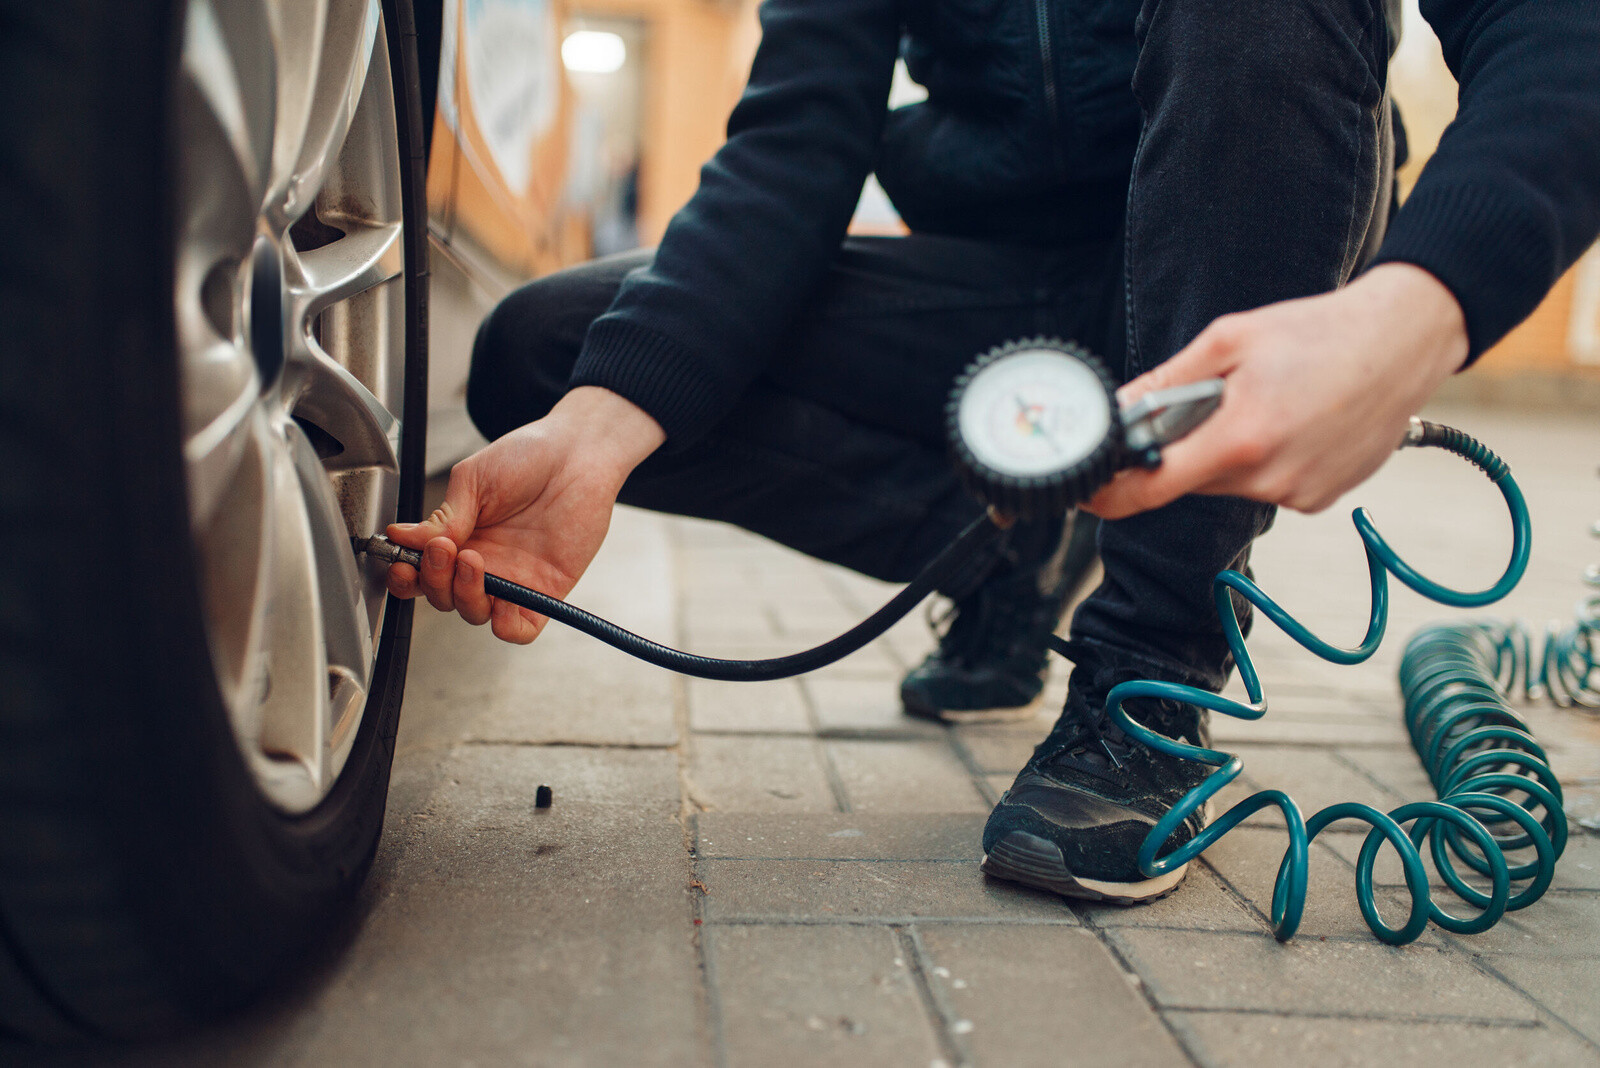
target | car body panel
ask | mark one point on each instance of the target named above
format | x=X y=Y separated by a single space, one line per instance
x=498 y=175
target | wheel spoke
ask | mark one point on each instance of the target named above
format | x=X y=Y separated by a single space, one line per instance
x=289 y=744
x=230 y=89
x=340 y=583
x=366 y=257
x=220 y=392
x=226 y=108
x=234 y=545
x=324 y=52
x=361 y=432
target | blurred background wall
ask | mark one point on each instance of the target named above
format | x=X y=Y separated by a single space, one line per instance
x=651 y=86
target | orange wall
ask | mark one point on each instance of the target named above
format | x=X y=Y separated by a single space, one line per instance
x=687 y=95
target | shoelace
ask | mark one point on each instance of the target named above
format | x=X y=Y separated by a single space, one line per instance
x=1095 y=743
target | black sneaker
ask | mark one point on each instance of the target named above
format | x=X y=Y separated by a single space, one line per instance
x=992 y=657
x=1079 y=810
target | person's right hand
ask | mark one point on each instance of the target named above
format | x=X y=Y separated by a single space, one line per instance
x=532 y=507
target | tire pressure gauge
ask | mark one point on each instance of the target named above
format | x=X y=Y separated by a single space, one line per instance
x=1036 y=429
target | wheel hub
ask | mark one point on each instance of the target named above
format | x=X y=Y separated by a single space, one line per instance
x=289 y=302
x=265 y=313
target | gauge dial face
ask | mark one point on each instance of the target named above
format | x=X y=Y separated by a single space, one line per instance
x=1034 y=413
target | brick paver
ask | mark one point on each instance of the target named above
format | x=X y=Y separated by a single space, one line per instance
x=820 y=995
x=788 y=873
x=1195 y=977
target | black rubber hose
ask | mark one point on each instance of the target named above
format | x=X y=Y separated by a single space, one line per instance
x=980 y=533
x=1464 y=445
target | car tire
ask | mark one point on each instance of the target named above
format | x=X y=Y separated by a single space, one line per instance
x=149 y=877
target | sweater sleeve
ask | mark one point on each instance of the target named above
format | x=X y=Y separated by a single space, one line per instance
x=1511 y=198
x=687 y=334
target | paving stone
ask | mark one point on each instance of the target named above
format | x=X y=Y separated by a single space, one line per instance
x=1026 y=996
x=875 y=661
x=840 y=836
x=747 y=646
x=883 y=776
x=869 y=662
x=1562 y=729
x=856 y=890
x=1003 y=750
x=862 y=704
x=910 y=640
x=747 y=706
x=1287 y=728
x=1579 y=866
x=1242 y=971
x=1313 y=777
x=1386 y=871
x=568 y=687
x=818 y=996
x=1565 y=987
x=1582 y=803
x=1199 y=903
x=1291 y=674
x=1248 y=858
x=759 y=773
x=1250 y=1040
x=1398 y=768
x=454 y=670
x=1557 y=925
x=816 y=616
x=732 y=617
x=1304 y=701
x=498 y=933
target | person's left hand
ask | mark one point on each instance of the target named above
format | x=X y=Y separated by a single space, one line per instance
x=1319 y=393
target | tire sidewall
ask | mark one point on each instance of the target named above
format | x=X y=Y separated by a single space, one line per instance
x=192 y=881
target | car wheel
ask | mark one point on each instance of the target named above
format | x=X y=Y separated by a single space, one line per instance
x=218 y=291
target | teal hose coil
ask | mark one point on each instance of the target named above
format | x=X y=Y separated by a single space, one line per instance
x=1496 y=792
x=1565 y=669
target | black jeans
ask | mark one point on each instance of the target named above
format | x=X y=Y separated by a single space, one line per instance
x=1263 y=173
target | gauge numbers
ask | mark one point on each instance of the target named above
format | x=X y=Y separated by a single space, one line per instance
x=1034 y=412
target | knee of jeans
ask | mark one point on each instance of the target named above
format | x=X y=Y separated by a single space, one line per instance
x=517 y=373
x=1237 y=55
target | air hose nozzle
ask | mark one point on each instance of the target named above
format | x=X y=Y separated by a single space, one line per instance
x=381 y=548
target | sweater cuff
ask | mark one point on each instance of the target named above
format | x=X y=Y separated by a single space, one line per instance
x=1488 y=249
x=655 y=372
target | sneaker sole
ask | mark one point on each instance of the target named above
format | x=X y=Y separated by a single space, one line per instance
x=1033 y=861
x=1013 y=714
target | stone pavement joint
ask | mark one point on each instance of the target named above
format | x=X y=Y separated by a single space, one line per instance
x=788 y=873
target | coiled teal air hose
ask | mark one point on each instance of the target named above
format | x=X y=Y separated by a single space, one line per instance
x=1480 y=755
x=1566 y=668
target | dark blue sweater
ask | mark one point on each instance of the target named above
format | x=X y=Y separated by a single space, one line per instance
x=1509 y=200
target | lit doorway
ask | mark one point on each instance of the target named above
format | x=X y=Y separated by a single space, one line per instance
x=605 y=62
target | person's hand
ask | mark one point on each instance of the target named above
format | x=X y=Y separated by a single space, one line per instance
x=532 y=507
x=1319 y=392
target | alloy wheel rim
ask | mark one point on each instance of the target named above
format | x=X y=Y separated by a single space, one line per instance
x=290 y=309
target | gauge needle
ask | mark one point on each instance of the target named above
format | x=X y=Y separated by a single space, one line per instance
x=1026 y=411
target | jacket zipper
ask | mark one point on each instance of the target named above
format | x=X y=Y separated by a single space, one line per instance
x=1047 y=55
